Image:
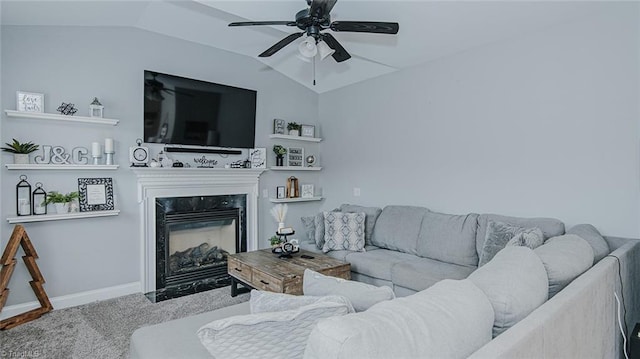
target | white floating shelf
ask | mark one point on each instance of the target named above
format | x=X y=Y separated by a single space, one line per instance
x=56 y=117
x=298 y=199
x=49 y=166
x=294 y=168
x=296 y=138
x=59 y=217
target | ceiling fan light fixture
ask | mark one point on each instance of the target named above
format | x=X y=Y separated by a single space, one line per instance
x=324 y=50
x=308 y=48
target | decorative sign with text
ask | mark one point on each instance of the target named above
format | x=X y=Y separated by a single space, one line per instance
x=30 y=102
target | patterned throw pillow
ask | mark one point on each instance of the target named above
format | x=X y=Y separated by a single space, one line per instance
x=499 y=234
x=343 y=231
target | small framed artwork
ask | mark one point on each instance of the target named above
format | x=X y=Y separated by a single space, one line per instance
x=258 y=157
x=308 y=131
x=281 y=192
x=295 y=157
x=278 y=126
x=29 y=101
x=96 y=194
x=307 y=191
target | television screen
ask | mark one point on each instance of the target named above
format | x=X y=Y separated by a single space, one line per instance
x=184 y=111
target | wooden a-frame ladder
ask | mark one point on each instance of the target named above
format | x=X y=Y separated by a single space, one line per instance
x=8 y=262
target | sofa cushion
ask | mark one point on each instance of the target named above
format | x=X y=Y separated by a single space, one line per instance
x=378 y=263
x=565 y=258
x=452 y=319
x=515 y=281
x=500 y=234
x=371 y=216
x=339 y=255
x=361 y=295
x=421 y=273
x=550 y=227
x=590 y=234
x=263 y=301
x=449 y=238
x=343 y=231
x=397 y=228
x=266 y=335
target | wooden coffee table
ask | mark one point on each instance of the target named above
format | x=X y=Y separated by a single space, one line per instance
x=265 y=271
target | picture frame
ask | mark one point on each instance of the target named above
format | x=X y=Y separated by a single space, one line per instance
x=295 y=157
x=308 y=131
x=279 y=126
x=281 y=192
x=307 y=191
x=29 y=101
x=258 y=157
x=95 y=194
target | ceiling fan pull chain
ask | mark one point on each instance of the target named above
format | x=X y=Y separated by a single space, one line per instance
x=313 y=71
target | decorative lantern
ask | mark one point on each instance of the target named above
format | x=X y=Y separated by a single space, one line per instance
x=96 y=108
x=39 y=199
x=23 y=197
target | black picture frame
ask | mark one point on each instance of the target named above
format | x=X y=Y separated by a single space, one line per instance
x=279 y=126
x=95 y=194
x=281 y=192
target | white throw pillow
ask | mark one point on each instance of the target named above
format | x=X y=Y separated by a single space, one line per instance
x=515 y=282
x=361 y=295
x=451 y=319
x=343 y=231
x=262 y=301
x=266 y=335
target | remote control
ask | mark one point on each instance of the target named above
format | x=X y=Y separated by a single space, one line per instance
x=306 y=256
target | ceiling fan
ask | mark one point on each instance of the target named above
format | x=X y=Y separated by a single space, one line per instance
x=315 y=19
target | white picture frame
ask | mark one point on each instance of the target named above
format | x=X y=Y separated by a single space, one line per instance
x=29 y=101
x=307 y=191
x=258 y=157
x=307 y=131
x=295 y=157
x=279 y=126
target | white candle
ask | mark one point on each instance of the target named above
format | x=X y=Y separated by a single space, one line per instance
x=95 y=149
x=108 y=145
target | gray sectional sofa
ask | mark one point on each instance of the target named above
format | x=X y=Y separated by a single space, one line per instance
x=410 y=249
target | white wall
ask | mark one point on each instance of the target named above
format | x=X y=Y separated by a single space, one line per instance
x=74 y=65
x=541 y=125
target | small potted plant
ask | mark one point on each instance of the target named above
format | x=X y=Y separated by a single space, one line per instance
x=20 y=151
x=293 y=128
x=61 y=201
x=275 y=241
x=280 y=152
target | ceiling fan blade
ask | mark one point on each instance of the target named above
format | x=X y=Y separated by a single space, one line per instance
x=254 y=23
x=321 y=8
x=365 y=26
x=341 y=54
x=280 y=44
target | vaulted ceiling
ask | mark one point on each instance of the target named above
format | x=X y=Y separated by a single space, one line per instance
x=428 y=29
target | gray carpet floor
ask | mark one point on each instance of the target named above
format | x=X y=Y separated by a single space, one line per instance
x=102 y=329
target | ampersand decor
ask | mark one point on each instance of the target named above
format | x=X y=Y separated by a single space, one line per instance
x=58 y=156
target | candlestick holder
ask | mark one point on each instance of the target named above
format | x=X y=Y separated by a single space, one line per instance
x=96 y=159
x=108 y=159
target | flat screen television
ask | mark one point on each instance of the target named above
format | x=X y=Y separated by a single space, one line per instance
x=183 y=111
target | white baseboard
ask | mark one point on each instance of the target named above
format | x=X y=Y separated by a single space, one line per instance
x=72 y=300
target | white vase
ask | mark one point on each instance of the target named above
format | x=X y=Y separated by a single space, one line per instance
x=61 y=208
x=294 y=132
x=21 y=158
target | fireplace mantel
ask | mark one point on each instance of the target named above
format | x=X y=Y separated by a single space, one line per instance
x=182 y=182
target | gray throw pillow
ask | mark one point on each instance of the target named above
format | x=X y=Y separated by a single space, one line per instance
x=343 y=231
x=371 y=216
x=318 y=221
x=499 y=234
x=309 y=228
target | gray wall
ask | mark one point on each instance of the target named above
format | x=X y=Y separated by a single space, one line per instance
x=74 y=65
x=540 y=125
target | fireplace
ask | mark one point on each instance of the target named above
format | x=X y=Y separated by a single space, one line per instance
x=194 y=236
x=188 y=205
